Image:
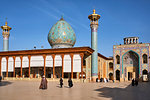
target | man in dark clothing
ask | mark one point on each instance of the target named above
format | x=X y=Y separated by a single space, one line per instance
x=43 y=84
x=61 y=82
x=136 y=82
x=132 y=82
x=0 y=78
x=70 y=83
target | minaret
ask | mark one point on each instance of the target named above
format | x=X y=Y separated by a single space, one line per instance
x=94 y=61
x=5 y=34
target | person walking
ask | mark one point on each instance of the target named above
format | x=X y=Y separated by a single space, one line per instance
x=133 y=82
x=61 y=82
x=43 y=84
x=0 y=78
x=70 y=83
x=136 y=82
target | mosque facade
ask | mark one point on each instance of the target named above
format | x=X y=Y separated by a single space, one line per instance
x=130 y=60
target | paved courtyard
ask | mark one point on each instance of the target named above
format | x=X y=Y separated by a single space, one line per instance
x=29 y=90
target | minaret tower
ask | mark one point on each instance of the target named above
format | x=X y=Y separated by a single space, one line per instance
x=94 y=61
x=5 y=34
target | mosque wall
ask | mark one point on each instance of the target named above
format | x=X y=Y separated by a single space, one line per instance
x=122 y=50
x=38 y=61
x=88 y=67
x=104 y=68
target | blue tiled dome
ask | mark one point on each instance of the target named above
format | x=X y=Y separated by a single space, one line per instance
x=61 y=35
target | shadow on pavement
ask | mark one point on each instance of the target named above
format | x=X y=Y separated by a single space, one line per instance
x=4 y=83
x=140 y=92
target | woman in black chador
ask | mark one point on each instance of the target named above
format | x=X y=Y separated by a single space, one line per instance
x=136 y=82
x=61 y=82
x=132 y=82
x=70 y=83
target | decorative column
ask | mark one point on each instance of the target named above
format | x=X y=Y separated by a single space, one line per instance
x=44 y=57
x=62 y=57
x=7 y=66
x=0 y=66
x=6 y=35
x=71 y=55
x=82 y=55
x=14 y=58
x=94 y=60
x=29 y=58
x=53 y=56
x=21 y=66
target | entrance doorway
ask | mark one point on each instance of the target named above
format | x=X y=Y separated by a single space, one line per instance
x=145 y=72
x=145 y=75
x=117 y=75
x=130 y=76
x=110 y=76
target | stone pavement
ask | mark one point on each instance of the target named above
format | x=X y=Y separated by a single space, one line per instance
x=29 y=90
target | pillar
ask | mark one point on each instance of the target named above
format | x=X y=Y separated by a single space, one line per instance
x=21 y=66
x=7 y=66
x=71 y=55
x=53 y=56
x=62 y=57
x=14 y=58
x=104 y=70
x=94 y=60
x=44 y=57
x=29 y=58
x=0 y=66
x=82 y=55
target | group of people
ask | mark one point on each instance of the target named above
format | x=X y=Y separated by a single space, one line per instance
x=102 y=80
x=70 y=83
x=134 y=82
x=44 y=82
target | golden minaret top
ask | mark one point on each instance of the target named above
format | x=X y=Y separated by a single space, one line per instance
x=5 y=29
x=94 y=17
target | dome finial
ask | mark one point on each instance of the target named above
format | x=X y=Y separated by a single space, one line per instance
x=93 y=11
x=6 y=22
x=62 y=17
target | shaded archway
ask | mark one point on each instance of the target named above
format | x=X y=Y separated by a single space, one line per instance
x=145 y=75
x=110 y=76
x=145 y=72
x=117 y=75
x=131 y=65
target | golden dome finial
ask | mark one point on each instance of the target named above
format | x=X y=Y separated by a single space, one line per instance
x=6 y=22
x=93 y=11
x=61 y=17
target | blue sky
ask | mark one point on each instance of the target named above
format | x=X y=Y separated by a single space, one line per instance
x=31 y=21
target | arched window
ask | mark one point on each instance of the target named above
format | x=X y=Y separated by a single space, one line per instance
x=144 y=58
x=110 y=76
x=111 y=66
x=118 y=59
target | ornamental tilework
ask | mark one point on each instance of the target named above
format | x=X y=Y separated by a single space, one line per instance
x=117 y=66
x=144 y=50
x=144 y=66
x=61 y=33
x=117 y=52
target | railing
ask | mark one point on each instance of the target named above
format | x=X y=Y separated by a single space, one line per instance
x=94 y=22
